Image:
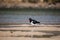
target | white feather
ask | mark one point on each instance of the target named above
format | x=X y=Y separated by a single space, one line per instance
x=32 y=23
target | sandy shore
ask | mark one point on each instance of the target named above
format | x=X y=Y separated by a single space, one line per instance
x=29 y=32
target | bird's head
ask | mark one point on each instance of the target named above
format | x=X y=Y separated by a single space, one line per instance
x=30 y=19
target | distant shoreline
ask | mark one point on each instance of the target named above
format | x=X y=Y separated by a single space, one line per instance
x=15 y=9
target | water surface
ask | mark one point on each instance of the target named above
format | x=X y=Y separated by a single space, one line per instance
x=46 y=16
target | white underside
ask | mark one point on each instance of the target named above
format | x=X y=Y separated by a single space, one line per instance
x=32 y=23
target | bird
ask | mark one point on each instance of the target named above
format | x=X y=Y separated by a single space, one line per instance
x=33 y=22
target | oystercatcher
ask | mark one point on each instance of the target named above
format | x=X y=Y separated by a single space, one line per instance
x=33 y=22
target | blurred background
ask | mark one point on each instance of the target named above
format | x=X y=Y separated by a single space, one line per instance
x=19 y=11
x=29 y=3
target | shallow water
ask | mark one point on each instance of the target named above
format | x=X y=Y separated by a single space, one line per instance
x=46 y=16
